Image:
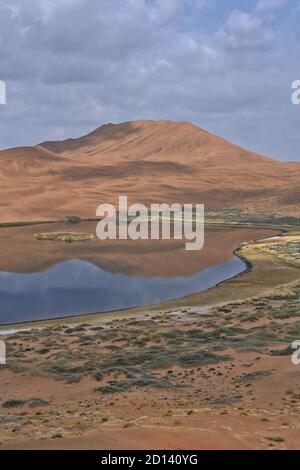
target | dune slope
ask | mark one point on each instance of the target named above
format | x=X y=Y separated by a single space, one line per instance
x=150 y=161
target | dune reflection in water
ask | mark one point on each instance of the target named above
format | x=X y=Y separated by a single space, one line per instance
x=77 y=287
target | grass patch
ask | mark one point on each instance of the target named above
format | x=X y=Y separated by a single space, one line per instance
x=254 y=376
x=13 y=403
x=67 y=237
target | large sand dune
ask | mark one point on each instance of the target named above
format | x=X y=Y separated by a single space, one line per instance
x=150 y=161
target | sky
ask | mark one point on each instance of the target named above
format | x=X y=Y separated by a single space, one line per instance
x=228 y=66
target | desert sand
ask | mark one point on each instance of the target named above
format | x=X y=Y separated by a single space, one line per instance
x=150 y=161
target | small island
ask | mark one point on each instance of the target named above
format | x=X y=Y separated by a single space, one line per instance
x=68 y=237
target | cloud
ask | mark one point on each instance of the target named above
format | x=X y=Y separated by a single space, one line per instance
x=244 y=30
x=71 y=65
x=269 y=6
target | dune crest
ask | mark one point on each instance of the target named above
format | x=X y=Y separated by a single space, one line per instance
x=150 y=161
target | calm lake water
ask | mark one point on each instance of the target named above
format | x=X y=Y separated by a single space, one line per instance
x=75 y=287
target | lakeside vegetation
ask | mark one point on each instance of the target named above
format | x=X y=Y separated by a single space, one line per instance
x=220 y=216
x=243 y=217
x=144 y=352
x=68 y=237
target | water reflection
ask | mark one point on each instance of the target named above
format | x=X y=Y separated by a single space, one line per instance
x=76 y=287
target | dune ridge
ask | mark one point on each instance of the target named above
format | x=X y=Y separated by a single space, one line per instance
x=150 y=161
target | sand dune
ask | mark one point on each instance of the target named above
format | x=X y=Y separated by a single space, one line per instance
x=150 y=161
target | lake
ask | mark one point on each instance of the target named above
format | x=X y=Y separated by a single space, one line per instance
x=44 y=280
